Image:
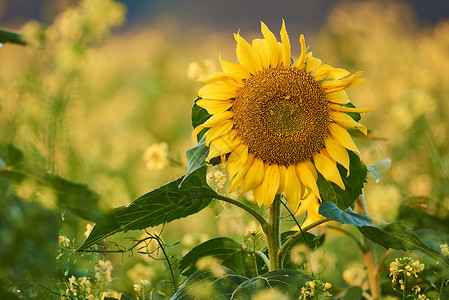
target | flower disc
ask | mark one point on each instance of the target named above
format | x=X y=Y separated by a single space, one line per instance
x=282 y=115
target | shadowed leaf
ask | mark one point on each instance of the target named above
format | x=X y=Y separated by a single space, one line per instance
x=162 y=205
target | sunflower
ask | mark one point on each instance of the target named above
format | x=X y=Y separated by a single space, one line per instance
x=279 y=123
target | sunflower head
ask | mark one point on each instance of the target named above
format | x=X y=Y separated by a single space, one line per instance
x=278 y=122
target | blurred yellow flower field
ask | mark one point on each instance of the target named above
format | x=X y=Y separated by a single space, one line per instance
x=110 y=110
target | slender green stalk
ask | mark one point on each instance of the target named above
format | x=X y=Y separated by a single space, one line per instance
x=289 y=242
x=273 y=234
x=11 y=37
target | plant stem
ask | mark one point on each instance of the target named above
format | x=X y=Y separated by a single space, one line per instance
x=368 y=254
x=273 y=234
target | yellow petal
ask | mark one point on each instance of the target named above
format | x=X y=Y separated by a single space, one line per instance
x=282 y=171
x=238 y=179
x=218 y=90
x=214 y=106
x=300 y=62
x=341 y=84
x=222 y=77
x=266 y=191
x=223 y=144
x=236 y=70
x=263 y=49
x=312 y=63
x=247 y=55
x=237 y=160
x=349 y=109
x=254 y=176
x=338 y=153
x=340 y=135
x=219 y=130
x=322 y=72
x=213 y=120
x=339 y=73
x=293 y=187
x=286 y=51
x=346 y=121
x=338 y=97
x=328 y=169
x=275 y=54
x=307 y=176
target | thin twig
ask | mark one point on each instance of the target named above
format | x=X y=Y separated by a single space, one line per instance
x=7 y=36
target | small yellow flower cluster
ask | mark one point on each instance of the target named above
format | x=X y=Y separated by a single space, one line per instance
x=80 y=287
x=89 y=228
x=315 y=288
x=64 y=241
x=141 y=287
x=103 y=270
x=216 y=179
x=406 y=266
x=445 y=249
x=156 y=156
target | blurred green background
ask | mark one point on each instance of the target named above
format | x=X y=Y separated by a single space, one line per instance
x=101 y=83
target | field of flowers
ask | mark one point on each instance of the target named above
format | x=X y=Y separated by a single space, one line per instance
x=91 y=120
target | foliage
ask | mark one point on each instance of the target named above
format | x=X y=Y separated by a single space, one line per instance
x=79 y=107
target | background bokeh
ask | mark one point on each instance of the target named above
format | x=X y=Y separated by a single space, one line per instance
x=99 y=86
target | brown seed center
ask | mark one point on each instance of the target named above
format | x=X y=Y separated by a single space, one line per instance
x=282 y=115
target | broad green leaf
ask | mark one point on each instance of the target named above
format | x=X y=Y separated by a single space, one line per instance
x=379 y=168
x=352 y=293
x=224 y=284
x=400 y=237
x=199 y=116
x=227 y=251
x=353 y=183
x=218 y=284
x=332 y=212
x=162 y=205
x=196 y=157
x=285 y=281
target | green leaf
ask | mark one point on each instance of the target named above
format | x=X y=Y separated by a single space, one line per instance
x=162 y=205
x=379 y=168
x=287 y=282
x=199 y=116
x=352 y=293
x=11 y=155
x=11 y=37
x=332 y=212
x=353 y=184
x=355 y=116
x=74 y=197
x=400 y=237
x=228 y=251
x=196 y=158
x=224 y=284
x=217 y=284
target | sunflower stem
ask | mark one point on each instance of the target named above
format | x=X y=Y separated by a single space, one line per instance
x=273 y=233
